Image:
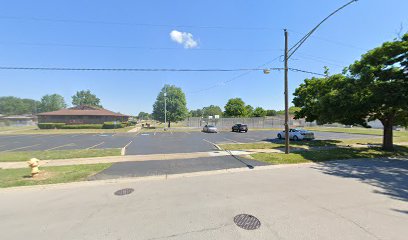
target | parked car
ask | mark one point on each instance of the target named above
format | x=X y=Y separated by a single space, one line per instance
x=210 y=129
x=297 y=134
x=240 y=128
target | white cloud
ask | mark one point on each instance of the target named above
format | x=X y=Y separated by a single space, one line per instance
x=184 y=38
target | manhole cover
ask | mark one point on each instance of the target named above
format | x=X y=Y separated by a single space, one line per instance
x=247 y=222
x=124 y=191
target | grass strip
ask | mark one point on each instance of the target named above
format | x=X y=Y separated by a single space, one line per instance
x=49 y=175
x=329 y=154
x=58 y=154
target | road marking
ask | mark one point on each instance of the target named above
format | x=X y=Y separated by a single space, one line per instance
x=65 y=145
x=251 y=139
x=187 y=133
x=231 y=140
x=215 y=145
x=123 y=151
x=9 y=150
x=96 y=145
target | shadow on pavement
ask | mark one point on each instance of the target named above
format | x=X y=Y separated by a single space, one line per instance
x=390 y=176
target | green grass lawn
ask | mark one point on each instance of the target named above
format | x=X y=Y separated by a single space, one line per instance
x=35 y=130
x=329 y=154
x=58 y=154
x=281 y=144
x=12 y=129
x=49 y=175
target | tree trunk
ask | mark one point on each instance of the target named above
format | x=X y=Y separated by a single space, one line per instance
x=388 y=135
x=168 y=125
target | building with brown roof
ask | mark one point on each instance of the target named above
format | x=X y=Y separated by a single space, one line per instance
x=81 y=115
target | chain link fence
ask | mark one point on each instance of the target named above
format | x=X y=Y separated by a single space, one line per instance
x=255 y=122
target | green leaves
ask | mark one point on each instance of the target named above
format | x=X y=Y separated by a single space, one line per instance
x=85 y=97
x=176 y=104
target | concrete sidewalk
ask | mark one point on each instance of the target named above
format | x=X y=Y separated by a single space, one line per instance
x=117 y=159
x=364 y=200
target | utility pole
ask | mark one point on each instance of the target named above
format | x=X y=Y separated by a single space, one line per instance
x=288 y=54
x=286 y=95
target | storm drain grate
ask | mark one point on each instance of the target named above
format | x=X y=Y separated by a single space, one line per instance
x=124 y=191
x=247 y=222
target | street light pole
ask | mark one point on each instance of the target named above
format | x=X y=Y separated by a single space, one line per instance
x=288 y=54
x=286 y=95
x=165 y=109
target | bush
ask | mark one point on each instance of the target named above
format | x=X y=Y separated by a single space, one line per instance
x=83 y=126
x=50 y=125
x=111 y=125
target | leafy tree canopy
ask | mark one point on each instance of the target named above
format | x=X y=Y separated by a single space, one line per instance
x=17 y=106
x=144 y=116
x=176 y=105
x=85 y=97
x=259 y=112
x=235 y=107
x=52 y=102
x=374 y=87
x=212 y=110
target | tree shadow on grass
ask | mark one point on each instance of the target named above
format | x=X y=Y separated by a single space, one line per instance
x=390 y=176
x=311 y=143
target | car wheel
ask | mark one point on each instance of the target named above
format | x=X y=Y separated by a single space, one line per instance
x=246 y=131
x=295 y=138
x=279 y=136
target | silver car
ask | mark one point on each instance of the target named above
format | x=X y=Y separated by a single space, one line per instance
x=210 y=129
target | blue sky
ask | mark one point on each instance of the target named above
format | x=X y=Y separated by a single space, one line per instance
x=224 y=34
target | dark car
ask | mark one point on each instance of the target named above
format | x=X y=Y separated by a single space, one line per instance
x=240 y=128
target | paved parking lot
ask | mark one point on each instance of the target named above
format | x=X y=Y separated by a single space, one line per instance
x=167 y=167
x=147 y=143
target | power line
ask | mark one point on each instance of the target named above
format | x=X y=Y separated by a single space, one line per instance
x=295 y=47
x=246 y=70
x=235 y=77
x=130 y=69
x=305 y=71
x=56 y=20
x=134 y=47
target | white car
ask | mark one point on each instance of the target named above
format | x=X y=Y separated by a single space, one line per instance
x=210 y=129
x=297 y=134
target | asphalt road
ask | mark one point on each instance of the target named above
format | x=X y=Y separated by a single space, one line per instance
x=167 y=167
x=146 y=143
x=364 y=200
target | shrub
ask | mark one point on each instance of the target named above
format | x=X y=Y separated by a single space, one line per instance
x=111 y=125
x=50 y=125
x=83 y=126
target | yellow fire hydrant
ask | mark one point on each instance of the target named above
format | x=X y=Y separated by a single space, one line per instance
x=34 y=163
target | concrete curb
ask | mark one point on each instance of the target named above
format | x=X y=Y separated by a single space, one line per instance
x=131 y=180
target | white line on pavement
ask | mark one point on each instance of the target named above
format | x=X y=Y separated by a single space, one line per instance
x=215 y=145
x=65 y=145
x=123 y=152
x=231 y=140
x=9 y=150
x=187 y=133
x=96 y=145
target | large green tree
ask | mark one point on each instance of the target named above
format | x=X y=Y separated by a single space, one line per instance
x=212 y=110
x=196 y=113
x=176 y=105
x=143 y=116
x=85 y=97
x=374 y=87
x=271 y=112
x=259 y=112
x=52 y=102
x=235 y=107
x=16 y=106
